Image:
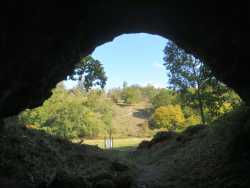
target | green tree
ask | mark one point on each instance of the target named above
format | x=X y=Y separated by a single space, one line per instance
x=163 y=98
x=100 y=104
x=191 y=77
x=149 y=92
x=89 y=72
x=169 y=117
x=72 y=113
x=131 y=94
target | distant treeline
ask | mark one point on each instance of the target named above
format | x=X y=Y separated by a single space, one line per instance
x=76 y=113
x=177 y=109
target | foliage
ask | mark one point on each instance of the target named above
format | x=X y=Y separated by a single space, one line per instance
x=149 y=92
x=163 y=98
x=169 y=117
x=89 y=72
x=100 y=104
x=78 y=113
x=131 y=94
x=195 y=82
x=71 y=114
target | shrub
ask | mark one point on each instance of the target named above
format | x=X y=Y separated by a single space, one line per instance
x=169 y=117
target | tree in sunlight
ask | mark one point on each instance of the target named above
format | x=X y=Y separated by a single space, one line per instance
x=149 y=92
x=163 y=98
x=194 y=80
x=71 y=113
x=89 y=72
x=131 y=94
x=169 y=117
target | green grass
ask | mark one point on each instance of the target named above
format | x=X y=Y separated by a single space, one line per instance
x=120 y=144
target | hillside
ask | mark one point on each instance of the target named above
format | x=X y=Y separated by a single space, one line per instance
x=131 y=120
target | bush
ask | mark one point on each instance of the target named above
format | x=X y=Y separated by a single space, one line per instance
x=169 y=117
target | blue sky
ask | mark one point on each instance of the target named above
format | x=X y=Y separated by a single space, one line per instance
x=134 y=58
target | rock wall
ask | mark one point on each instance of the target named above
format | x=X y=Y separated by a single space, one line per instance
x=42 y=41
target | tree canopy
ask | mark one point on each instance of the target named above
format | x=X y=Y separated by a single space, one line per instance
x=163 y=98
x=71 y=114
x=194 y=80
x=89 y=72
x=169 y=117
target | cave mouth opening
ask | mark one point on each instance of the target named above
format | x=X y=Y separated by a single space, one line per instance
x=127 y=117
x=145 y=94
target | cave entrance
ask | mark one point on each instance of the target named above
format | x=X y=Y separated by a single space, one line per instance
x=148 y=109
x=128 y=90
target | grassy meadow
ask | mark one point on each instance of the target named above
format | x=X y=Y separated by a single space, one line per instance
x=118 y=143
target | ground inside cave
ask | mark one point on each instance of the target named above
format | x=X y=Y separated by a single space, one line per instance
x=201 y=156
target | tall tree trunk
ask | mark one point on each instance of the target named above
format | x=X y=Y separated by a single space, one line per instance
x=199 y=96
